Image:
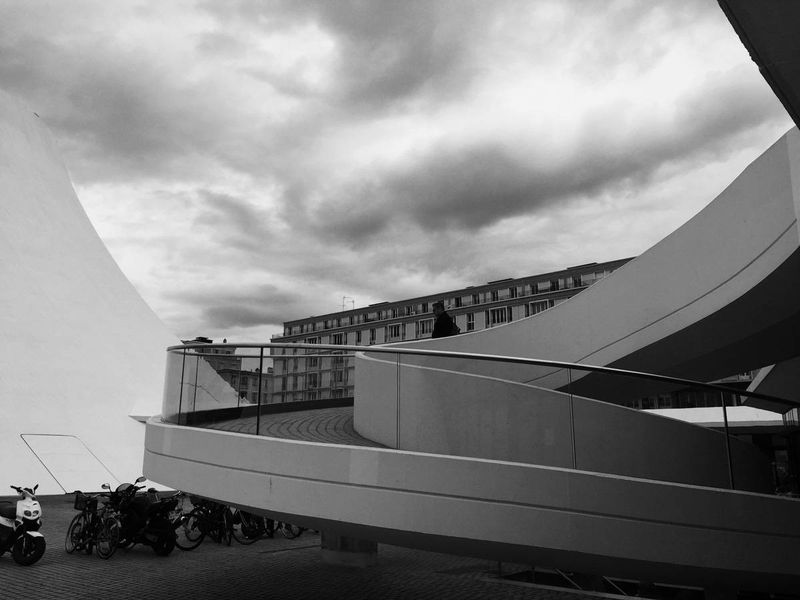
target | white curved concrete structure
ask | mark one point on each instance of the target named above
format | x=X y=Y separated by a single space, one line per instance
x=719 y=296
x=81 y=350
x=530 y=514
x=497 y=461
x=463 y=414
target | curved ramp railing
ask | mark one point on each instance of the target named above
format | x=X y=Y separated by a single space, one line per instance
x=494 y=418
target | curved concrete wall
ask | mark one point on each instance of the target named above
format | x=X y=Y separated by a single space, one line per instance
x=718 y=296
x=483 y=417
x=80 y=348
x=528 y=514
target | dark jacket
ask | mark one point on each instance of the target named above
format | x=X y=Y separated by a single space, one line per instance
x=443 y=326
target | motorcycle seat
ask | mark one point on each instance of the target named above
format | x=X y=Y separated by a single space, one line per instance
x=8 y=509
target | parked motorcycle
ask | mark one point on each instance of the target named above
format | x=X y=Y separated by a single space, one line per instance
x=144 y=518
x=19 y=527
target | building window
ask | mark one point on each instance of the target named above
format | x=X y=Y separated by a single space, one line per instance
x=337 y=339
x=470 y=321
x=313 y=362
x=539 y=306
x=497 y=316
x=394 y=332
x=358 y=337
x=424 y=327
x=409 y=311
x=495 y=295
x=395 y=313
x=424 y=307
x=312 y=380
x=373 y=335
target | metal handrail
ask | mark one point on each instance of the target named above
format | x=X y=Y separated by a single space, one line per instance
x=485 y=357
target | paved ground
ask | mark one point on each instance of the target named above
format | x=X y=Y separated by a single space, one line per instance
x=273 y=568
x=330 y=425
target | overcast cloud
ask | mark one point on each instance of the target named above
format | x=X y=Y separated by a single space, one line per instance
x=253 y=162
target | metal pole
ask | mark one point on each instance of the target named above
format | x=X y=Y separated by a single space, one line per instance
x=239 y=386
x=196 y=371
x=397 y=417
x=180 y=395
x=260 y=378
x=572 y=420
x=727 y=439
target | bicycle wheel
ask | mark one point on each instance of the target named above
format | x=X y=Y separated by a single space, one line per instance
x=188 y=531
x=76 y=533
x=107 y=537
x=290 y=531
x=226 y=527
x=247 y=527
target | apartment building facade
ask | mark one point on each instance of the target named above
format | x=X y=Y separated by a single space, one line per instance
x=306 y=375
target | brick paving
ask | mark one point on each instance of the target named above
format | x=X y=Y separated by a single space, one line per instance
x=272 y=568
x=329 y=425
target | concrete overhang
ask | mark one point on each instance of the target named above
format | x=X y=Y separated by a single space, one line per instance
x=769 y=31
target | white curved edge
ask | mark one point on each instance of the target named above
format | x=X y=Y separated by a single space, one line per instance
x=526 y=513
x=694 y=305
x=461 y=414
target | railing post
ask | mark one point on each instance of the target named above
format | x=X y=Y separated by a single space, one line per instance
x=239 y=385
x=180 y=395
x=572 y=421
x=260 y=372
x=727 y=439
x=196 y=372
x=397 y=416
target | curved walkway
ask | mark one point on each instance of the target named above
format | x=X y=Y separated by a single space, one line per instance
x=327 y=425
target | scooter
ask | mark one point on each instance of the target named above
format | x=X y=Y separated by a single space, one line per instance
x=145 y=519
x=19 y=527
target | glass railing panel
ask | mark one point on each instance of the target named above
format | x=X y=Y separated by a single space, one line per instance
x=575 y=416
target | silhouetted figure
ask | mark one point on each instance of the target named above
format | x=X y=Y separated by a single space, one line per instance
x=444 y=324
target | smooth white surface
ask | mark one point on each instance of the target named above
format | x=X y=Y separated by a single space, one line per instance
x=483 y=417
x=738 y=416
x=524 y=513
x=80 y=349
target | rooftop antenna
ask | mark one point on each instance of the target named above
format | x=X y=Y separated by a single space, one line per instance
x=346 y=299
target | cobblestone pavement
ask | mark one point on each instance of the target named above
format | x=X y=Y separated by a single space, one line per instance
x=272 y=568
x=329 y=425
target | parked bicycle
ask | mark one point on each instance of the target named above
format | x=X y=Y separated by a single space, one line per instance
x=289 y=530
x=95 y=528
x=249 y=527
x=207 y=518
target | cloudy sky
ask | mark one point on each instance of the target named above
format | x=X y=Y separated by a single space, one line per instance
x=253 y=161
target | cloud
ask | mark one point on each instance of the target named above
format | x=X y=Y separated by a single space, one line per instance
x=255 y=161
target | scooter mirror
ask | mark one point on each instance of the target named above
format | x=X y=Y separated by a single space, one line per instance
x=105 y=486
x=140 y=479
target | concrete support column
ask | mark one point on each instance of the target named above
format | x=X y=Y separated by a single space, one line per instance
x=347 y=551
